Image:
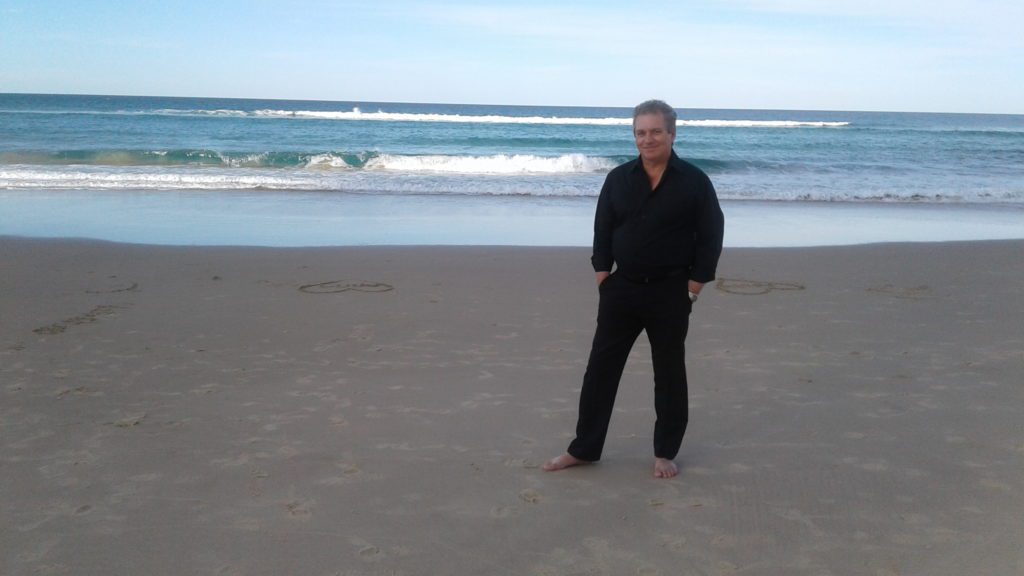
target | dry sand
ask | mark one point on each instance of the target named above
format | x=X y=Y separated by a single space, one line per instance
x=379 y=411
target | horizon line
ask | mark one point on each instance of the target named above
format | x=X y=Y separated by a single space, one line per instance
x=627 y=107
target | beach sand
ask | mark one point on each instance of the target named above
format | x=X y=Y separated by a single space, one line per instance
x=384 y=410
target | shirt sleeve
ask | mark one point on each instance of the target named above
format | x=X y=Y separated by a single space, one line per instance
x=710 y=231
x=604 y=221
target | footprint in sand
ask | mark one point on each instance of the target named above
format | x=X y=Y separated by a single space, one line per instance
x=369 y=552
x=742 y=287
x=335 y=286
x=298 y=509
x=130 y=421
x=529 y=496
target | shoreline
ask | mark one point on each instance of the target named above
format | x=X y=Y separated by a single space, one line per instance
x=296 y=219
x=384 y=410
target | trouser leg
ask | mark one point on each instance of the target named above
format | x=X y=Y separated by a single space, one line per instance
x=667 y=325
x=618 y=326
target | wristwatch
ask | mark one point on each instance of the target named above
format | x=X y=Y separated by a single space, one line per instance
x=693 y=297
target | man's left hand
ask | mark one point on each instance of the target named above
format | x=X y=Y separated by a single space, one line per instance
x=695 y=286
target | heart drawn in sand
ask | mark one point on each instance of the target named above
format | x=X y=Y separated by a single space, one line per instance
x=744 y=287
x=336 y=286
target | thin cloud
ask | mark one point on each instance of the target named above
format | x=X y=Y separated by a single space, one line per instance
x=996 y=22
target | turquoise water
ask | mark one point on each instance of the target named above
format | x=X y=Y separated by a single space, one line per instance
x=294 y=173
x=138 y=143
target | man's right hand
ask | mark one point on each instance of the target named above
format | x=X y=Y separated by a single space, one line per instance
x=602 y=276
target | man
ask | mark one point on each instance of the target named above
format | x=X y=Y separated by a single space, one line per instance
x=658 y=221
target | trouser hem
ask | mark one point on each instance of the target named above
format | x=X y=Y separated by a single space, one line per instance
x=588 y=460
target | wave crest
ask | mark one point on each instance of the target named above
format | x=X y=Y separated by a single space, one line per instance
x=381 y=116
x=145 y=179
x=498 y=164
x=366 y=160
x=356 y=114
x=759 y=124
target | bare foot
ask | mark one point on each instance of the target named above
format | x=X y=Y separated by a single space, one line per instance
x=665 y=468
x=561 y=462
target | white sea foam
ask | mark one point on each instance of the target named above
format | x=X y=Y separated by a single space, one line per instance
x=759 y=124
x=471 y=181
x=16 y=178
x=218 y=112
x=474 y=175
x=565 y=176
x=498 y=164
x=327 y=161
x=357 y=114
x=381 y=116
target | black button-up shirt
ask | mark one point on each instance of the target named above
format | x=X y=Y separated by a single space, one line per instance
x=675 y=228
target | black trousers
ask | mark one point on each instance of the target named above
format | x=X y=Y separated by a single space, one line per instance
x=626 y=308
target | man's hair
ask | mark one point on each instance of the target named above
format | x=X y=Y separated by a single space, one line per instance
x=667 y=112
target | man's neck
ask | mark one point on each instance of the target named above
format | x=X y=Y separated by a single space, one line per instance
x=653 y=166
x=656 y=166
x=654 y=170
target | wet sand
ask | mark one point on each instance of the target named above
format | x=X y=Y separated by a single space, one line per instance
x=384 y=410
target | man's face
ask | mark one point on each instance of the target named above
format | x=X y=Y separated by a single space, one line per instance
x=653 y=139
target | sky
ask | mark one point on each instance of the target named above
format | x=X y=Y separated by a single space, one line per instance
x=888 y=55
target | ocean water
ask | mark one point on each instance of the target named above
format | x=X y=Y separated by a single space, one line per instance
x=85 y=164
